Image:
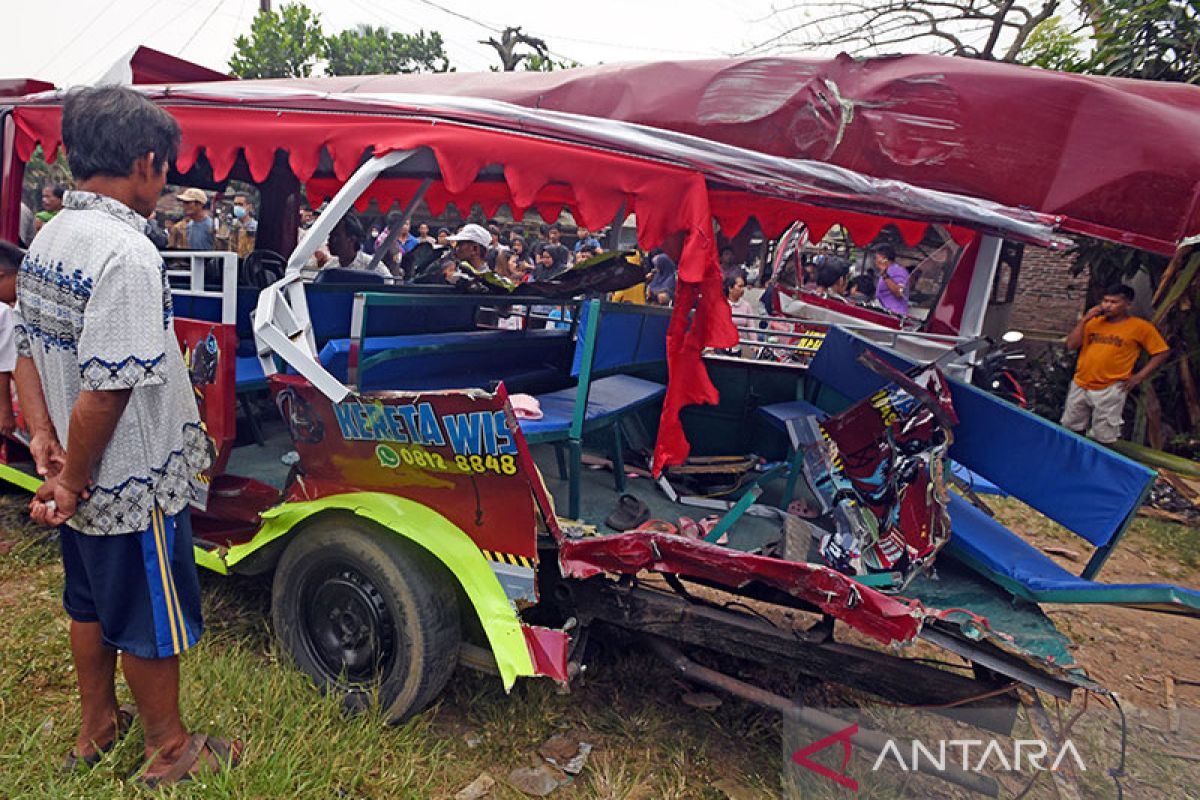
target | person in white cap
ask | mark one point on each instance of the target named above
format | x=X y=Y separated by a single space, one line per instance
x=471 y=244
x=196 y=231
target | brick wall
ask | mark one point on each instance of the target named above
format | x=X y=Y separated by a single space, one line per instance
x=1048 y=299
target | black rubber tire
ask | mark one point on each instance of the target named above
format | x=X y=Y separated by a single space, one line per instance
x=367 y=615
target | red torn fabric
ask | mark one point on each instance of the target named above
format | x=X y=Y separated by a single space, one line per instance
x=701 y=318
x=733 y=209
x=888 y=620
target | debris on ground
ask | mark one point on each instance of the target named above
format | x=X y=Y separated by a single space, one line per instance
x=705 y=701
x=1065 y=552
x=473 y=739
x=537 y=781
x=477 y=789
x=566 y=751
x=735 y=790
x=1173 y=498
x=1172 y=706
x=5 y=547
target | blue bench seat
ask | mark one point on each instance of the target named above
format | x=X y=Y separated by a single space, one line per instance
x=613 y=339
x=992 y=549
x=779 y=413
x=249 y=374
x=1088 y=489
x=453 y=359
x=608 y=398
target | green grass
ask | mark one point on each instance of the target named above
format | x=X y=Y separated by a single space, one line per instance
x=1177 y=542
x=301 y=745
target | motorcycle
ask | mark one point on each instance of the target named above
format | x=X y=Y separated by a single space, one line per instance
x=999 y=373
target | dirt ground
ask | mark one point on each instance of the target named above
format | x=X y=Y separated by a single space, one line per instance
x=1127 y=650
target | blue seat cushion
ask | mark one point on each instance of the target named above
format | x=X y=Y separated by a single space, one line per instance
x=1085 y=487
x=609 y=397
x=1000 y=555
x=443 y=352
x=779 y=413
x=977 y=483
x=249 y=374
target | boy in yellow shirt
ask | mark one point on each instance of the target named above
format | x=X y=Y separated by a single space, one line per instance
x=1109 y=341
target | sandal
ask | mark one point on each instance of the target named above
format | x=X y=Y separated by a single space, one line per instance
x=656 y=526
x=203 y=751
x=630 y=513
x=125 y=717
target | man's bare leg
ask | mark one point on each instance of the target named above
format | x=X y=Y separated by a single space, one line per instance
x=155 y=686
x=95 y=668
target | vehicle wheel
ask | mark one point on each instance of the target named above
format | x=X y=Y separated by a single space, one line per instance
x=367 y=615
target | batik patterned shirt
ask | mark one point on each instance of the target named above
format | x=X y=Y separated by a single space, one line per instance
x=94 y=314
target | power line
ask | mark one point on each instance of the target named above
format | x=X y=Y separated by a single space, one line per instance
x=237 y=23
x=85 y=29
x=200 y=27
x=618 y=46
x=89 y=55
x=469 y=47
x=491 y=28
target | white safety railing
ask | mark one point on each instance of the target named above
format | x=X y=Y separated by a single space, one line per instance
x=282 y=326
x=194 y=283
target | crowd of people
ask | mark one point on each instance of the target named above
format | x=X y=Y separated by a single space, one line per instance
x=507 y=253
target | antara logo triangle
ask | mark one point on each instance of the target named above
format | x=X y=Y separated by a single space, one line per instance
x=843 y=737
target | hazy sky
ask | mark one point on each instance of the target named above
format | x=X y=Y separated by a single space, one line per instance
x=84 y=37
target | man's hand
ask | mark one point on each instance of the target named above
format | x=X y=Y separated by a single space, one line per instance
x=48 y=455
x=53 y=504
x=1075 y=337
x=8 y=422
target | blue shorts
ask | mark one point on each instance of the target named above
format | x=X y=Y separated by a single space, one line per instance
x=141 y=587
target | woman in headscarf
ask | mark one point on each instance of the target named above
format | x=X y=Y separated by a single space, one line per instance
x=517 y=244
x=661 y=277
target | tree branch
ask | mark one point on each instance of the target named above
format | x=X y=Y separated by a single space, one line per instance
x=861 y=26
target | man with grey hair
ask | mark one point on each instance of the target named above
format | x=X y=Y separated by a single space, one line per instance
x=99 y=368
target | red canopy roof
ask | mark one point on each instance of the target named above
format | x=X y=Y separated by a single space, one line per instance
x=1119 y=158
x=147 y=65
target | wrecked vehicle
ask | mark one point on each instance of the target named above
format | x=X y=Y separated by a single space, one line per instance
x=412 y=520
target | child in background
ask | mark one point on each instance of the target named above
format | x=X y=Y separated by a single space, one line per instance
x=11 y=257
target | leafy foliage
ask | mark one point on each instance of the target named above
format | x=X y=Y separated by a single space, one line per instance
x=1108 y=263
x=1052 y=45
x=39 y=173
x=287 y=44
x=368 y=50
x=535 y=62
x=1048 y=376
x=1157 y=40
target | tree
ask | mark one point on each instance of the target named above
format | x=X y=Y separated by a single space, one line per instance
x=993 y=30
x=287 y=44
x=1157 y=40
x=367 y=50
x=539 y=63
x=510 y=40
x=1052 y=45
